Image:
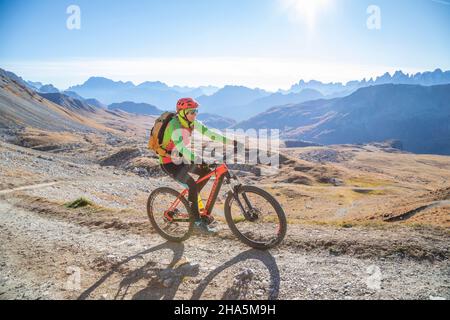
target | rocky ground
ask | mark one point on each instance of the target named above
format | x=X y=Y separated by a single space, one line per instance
x=45 y=257
x=109 y=250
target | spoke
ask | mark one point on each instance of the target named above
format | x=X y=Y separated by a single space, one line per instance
x=176 y=227
x=265 y=227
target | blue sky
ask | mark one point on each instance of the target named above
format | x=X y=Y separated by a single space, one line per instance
x=259 y=43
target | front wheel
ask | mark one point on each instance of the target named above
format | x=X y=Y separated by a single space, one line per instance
x=255 y=217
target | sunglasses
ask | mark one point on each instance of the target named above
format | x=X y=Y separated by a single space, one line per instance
x=194 y=111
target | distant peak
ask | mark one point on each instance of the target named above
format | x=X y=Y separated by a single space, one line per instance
x=93 y=79
x=48 y=88
x=231 y=86
x=98 y=80
x=104 y=82
x=153 y=85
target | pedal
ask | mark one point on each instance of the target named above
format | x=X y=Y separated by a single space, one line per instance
x=209 y=220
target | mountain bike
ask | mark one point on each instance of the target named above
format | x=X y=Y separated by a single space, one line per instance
x=254 y=216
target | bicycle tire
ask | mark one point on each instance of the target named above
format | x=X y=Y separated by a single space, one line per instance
x=150 y=213
x=273 y=202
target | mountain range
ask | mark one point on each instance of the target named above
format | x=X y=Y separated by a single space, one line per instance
x=428 y=78
x=24 y=104
x=276 y=99
x=210 y=120
x=239 y=102
x=137 y=108
x=155 y=93
x=230 y=101
x=418 y=116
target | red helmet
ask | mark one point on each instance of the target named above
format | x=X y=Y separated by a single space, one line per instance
x=186 y=103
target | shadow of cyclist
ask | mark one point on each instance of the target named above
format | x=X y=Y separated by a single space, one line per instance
x=232 y=293
x=163 y=284
x=148 y=271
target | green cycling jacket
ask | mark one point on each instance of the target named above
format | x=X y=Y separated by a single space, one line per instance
x=180 y=139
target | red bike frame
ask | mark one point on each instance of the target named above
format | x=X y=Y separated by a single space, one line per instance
x=220 y=173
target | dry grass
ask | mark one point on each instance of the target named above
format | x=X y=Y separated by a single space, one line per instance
x=365 y=182
x=375 y=184
x=33 y=138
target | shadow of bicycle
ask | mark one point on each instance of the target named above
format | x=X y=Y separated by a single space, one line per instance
x=240 y=285
x=156 y=283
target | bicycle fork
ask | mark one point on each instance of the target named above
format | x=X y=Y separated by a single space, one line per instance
x=249 y=214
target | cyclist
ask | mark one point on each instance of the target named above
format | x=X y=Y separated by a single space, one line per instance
x=176 y=138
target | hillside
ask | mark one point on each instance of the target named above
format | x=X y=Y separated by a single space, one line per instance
x=68 y=103
x=215 y=121
x=137 y=108
x=22 y=107
x=55 y=121
x=277 y=99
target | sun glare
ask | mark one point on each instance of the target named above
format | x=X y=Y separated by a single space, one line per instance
x=305 y=11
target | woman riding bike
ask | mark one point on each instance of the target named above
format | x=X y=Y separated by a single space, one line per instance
x=175 y=141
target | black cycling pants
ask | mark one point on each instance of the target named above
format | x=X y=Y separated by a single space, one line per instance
x=181 y=174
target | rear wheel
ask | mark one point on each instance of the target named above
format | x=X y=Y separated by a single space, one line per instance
x=262 y=224
x=175 y=224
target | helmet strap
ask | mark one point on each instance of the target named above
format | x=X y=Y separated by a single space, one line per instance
x=183 y=116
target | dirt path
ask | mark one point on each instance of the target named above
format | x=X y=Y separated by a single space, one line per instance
x=412 y=213
x=33 y=186
x=46 y=258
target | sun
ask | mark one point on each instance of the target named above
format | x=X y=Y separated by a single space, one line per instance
x=305 y=11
